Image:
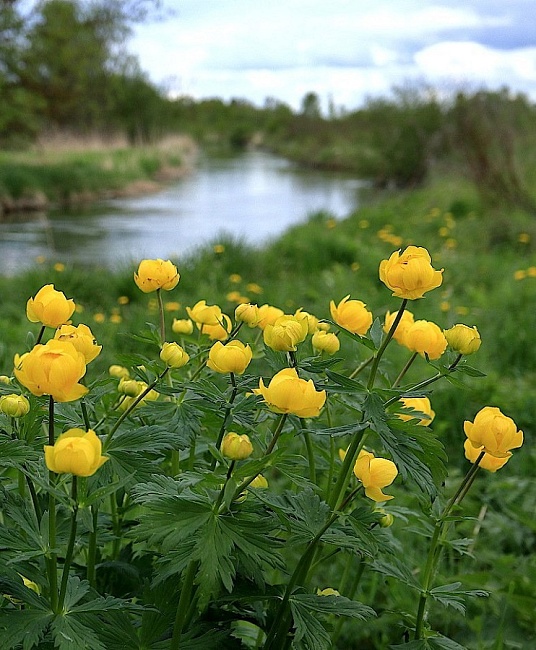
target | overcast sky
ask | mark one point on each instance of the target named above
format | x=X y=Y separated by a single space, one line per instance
x=346 y=50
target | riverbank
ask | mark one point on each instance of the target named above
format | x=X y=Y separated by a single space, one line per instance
x=66 y=172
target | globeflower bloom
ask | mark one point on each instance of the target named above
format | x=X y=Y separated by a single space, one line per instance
x=375 y=474
x=287 y=393
x=219 y=331
x=82 y=339
x=231 y=357
x=325 y=342
x=312 y=321
x=49 y=307
x=173 y=355
x=426 y=338
x=352 y=315
x=463 y=339
x=75 y=452
x=14 y=405
x=119 y=372
x=489 y=462
x=204 y=314
x=493 y=432
x=406 y=321
x=182 y=326
x=268 y=315
x=236 y=447
x=52 y=369
x=248 y=314
x=410 y=274
x=156 y=274
x=419 y=404
x=286 y=332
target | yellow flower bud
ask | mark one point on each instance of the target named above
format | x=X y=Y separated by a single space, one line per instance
x=204 y=314
x=404 y=324
x=493 y=432
x=131 y=387
x=120 y=372
x=352 y=315
x=375 y=474
x=231 y=357
x=426 y=338
x=82 y=339
x=463 y=339
x=75 y=452
x=14 y=405
x=325 y=342
x=259 y=482
x=156 y=274
x=173 y=355
x=410 y=274
x=218 y=332
x=52 y=369
x=268 y=315
x=287 y=393
x=386 y=520
x=248 y=314
x=49 y=307
x=182 y=326
x=419 y=404
x=236 y=447
x=327 y=592
x=286 y=332
x=4 y=379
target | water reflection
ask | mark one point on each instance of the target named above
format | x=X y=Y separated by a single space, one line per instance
x=253 y=197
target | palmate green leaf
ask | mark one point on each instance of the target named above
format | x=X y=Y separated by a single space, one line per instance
x=316 y=365
x=438 y=642
x=23 y=627
x=71 y=633
x=469 y=370
x=310 y=633
x=452 y=596
x=343 y=430
x=362 y=340
x=336 y=605
x=16 y=453
x=396 y=569
x=344 y=384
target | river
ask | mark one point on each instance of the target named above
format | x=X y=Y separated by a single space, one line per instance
x=253 y=197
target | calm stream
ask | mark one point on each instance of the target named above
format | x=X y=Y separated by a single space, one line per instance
x=253 y=197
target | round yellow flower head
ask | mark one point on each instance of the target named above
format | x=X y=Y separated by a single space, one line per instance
x=236 y=447
x=49 y=307
x=493 y=432
x=352 y=315
x=426 y=338
x=312 y=321
x=4 y=379
x=131 y=387
x=218 y=332
x=173 y=355
x=325 y=342
x=14 y=405
x=231 y=357
x=287 y=393
x=204 y=314
x=156 y=274
x=489 y=462
x=75 y=452
x=248 y=314
x=327 y=592
x=268 y=315
x=119 y=372
x=286 y=332
x=52 y=369
x=419 y=404
x=410 y=274
x=82 y=339
x=406 y=320
x=182 y=326
x=259 y=482
x=463 y=339
x=375 y=474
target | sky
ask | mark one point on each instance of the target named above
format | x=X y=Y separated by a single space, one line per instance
x=346 y=51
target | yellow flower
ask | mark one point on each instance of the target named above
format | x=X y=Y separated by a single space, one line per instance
x=285 y=334
x=156 y=274
x=131 y=387
x=259 y=482
x=82 y=339
x=253 y=287
x=410 y=274
x=325 y=342
x=426 y=338
x=4 y=379
x=247 y=313
x=182 y=326
x=489 y=462
x=123 y=300
x=235 y=278
x=59 y=267
x=173 y=355
x=352 y=315
x=236 y=447
x=268 y=315
x=14 y=405
x=494 y=432
x=218 y=249
x=75 y=452
x=520 y=274
x=463 y=339
x=327 y=592
x=232 y=357
x=523 y=237
x=119 y=372
x=312 y=321
x=49 y=307
x=218 y=332
x=421 y=405
x=172 y=306
x=52 y=369
x=116 y=319
x=204 y=314
x=375 y=474
x=406 y=321
x=287 y=393
x=531 y=272
x=99 y=317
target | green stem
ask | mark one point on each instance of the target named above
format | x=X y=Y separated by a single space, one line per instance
x=70 y=545
x=116 y=527
x=162 y=318
x=228 y=409
x=85 y=414
x=385 y=343
x=40 y=335
x=434 y=550
x=349 y=594
x=184 y=603
x=346 y=471
x=310 y=452
x=360 y=367
x=222 y=491
x=404 y=370
x=52 y=561
x=92 y=549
